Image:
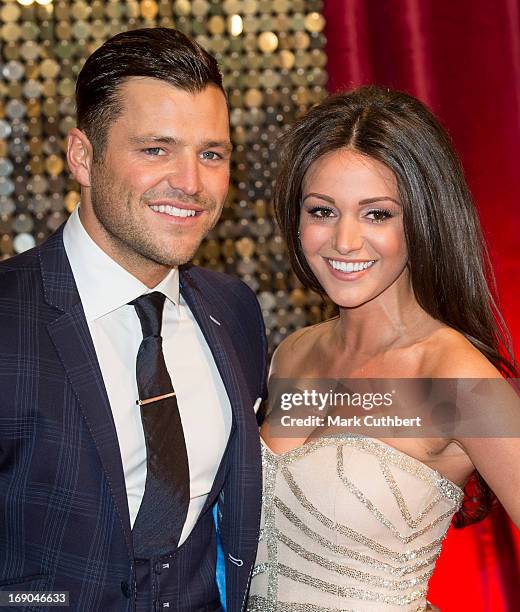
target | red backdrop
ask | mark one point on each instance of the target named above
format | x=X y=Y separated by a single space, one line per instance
x=461 y=57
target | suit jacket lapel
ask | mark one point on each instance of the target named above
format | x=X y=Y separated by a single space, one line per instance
x=207 y=314
x=71 y=337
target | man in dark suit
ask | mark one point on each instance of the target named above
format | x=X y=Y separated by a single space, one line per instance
x=129 y=454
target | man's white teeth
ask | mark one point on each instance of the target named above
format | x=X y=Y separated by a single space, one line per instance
x=173 y=211
x=344 y=266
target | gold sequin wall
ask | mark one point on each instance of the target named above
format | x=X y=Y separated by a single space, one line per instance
x=271 y=53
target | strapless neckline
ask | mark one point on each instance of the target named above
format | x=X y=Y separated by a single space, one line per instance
x=300 y=451
x=349 y=524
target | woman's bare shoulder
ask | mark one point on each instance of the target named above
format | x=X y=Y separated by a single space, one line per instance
x=447 y=353
x=294 y=349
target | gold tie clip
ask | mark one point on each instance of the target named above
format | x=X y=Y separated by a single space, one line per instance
x=157 y=398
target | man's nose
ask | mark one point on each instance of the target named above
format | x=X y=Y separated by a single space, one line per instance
x=185 y=174
x=348 y=236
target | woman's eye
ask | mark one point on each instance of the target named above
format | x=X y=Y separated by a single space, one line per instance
x=154 y=151
x=379 y=215
x=321 y=212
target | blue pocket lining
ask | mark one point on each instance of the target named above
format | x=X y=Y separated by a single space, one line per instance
x=220 y=570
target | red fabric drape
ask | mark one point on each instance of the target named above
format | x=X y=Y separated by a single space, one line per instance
x=461 y=57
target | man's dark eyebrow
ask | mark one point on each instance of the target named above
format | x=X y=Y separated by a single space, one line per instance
x=218 y=144
x=141 y=140
x=169 y=140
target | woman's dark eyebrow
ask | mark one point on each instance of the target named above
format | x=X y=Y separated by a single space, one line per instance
x=378 y=199
x=321 y=196
x=363 y=202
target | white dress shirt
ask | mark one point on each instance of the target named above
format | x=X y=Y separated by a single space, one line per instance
x=105 y=288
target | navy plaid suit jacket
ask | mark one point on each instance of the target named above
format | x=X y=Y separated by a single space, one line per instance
x=64 y=521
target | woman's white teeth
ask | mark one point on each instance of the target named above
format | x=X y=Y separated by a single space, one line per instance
x=173 y=211
x=344 y=266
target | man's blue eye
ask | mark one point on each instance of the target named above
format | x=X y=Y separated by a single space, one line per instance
x=211 y=155
x=153 y=151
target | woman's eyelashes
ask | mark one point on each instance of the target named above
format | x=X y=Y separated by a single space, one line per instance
x=378 y=215
x=320 y=212
x=375 y=215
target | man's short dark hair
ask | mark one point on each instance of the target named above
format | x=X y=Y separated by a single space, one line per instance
x=159 y=53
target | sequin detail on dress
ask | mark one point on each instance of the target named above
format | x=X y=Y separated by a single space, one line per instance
x=349 y=524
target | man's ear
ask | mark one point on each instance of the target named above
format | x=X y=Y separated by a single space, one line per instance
x=79 y=156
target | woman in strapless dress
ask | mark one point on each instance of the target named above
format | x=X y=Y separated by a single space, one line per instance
x=374 y=207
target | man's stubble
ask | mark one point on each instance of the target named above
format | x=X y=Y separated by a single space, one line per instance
x=117 y=212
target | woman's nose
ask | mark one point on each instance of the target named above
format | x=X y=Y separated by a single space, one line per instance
x=347 y=237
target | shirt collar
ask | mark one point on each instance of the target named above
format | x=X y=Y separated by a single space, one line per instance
x=103 y=285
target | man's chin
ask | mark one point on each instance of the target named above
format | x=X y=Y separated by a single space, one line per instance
x=173 y=260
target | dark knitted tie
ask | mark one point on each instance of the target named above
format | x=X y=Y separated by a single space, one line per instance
x=164 y=507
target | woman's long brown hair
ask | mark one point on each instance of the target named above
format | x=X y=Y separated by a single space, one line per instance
x=449 y=264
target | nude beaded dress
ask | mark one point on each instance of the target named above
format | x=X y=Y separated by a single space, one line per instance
x=349 y=524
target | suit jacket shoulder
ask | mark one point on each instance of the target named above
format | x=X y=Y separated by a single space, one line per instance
x=12 y=268
x=22 y=297
x=50 y=277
